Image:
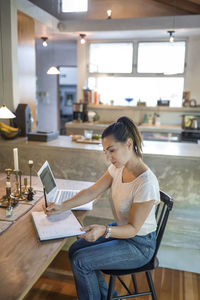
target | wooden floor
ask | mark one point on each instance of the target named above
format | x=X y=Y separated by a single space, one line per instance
x=57 y=283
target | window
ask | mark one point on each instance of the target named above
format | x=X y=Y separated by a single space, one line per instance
x=107 y=58
x=159 y=72
x=74 y=6
x=147 y=89
x=163 y=57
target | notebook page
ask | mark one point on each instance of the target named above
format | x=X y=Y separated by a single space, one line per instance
x=56 y=226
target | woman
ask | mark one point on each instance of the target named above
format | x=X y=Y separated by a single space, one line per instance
x=130 y=241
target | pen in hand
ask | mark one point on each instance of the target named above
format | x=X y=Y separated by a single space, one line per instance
x=45 y=197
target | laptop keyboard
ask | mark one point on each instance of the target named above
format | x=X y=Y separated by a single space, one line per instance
x=64 y=195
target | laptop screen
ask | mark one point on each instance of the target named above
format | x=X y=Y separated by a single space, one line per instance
x=47 y=179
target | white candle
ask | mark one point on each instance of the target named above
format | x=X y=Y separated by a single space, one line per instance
x=16 y=162
x=8 y=184
x=30 y=162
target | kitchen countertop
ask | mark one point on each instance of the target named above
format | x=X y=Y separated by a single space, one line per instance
x=142 y=127
x=153 y=148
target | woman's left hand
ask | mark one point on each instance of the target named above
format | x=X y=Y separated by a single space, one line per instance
x=93 y=232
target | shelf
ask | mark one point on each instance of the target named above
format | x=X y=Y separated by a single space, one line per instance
x=145 y=108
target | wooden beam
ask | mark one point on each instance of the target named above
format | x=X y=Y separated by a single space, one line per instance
x=185 y=5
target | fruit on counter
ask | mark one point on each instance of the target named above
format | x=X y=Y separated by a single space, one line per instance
x=76 y=136
x=8 y=132
x=3 y=125
x=96 y=137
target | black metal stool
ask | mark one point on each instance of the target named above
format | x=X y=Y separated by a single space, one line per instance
x=162 y=214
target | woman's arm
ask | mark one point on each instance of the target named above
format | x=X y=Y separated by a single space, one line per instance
x=138 y=214
x=83 y=196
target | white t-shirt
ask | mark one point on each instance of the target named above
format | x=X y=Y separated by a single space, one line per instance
x=144 y=188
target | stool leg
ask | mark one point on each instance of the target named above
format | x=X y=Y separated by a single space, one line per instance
x=151 y=285
x=111 y=287
x=134 y=282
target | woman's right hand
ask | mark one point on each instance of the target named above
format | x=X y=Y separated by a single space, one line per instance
x=53 y=209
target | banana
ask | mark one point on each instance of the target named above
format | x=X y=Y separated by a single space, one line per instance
x=6 y=133
x=10 y=128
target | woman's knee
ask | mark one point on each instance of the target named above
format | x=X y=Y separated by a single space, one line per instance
x=80 y=243
x=78 y=260
x=71 y=251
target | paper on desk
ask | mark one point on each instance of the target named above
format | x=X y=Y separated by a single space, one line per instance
x=56 y=226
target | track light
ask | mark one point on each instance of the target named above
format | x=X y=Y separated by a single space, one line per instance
x=171 y=35
x=82 y=36
x=44 y=43
x=109 y=13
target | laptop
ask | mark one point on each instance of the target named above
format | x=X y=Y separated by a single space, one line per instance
x=53 y=193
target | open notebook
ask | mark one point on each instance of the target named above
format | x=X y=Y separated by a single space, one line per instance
x=56 y=226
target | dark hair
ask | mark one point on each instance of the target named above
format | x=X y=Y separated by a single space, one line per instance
x=123 y=129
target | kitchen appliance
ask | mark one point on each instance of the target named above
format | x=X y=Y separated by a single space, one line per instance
x=68 y=96
x=80 y=112
x=191 y=136
x=191 y=121
x=194 y=124
x=163 y=102
x=191 y=126
x=23 y=119
x=42 y=136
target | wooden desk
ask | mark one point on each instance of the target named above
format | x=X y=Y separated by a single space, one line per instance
x=23 y=258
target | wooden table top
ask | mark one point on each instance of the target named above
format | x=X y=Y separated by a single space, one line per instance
x=23 y=258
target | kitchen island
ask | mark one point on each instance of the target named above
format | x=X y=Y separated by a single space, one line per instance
x=177 y=166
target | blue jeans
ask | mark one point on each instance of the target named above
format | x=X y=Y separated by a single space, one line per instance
x=88 y=258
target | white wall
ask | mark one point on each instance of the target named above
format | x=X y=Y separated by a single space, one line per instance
x=82 y=68
x=60 y=53
x=8 y=55
x=192 y=77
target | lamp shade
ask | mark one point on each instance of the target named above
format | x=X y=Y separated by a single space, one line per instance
x=5 y=113
x=53 y=71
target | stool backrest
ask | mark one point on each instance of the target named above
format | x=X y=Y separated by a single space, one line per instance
x=162 y=214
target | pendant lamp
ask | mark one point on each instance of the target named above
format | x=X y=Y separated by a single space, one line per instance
x=53 y=71
x=5 y=113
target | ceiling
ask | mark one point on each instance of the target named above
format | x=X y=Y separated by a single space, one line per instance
x=121 y=9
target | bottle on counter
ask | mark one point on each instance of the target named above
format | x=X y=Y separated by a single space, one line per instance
x=146 y=121
x=157 y=119
x=150 y=120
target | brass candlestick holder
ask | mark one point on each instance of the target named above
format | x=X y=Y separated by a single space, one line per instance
x=20 y=197
x=16 y=193
x=9 y=200
x=30 y=190
x=4 y=201
x=8 y=173
x=25 y=188
x=9 y=209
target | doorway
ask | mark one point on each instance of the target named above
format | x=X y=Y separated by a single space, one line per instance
x=67 y=89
